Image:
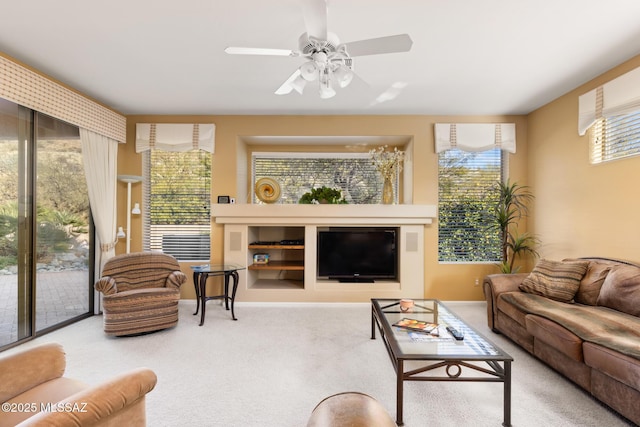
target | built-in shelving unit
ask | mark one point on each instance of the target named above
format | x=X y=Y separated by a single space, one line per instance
x=291 y=274
x=285 y=268
x=279 y=265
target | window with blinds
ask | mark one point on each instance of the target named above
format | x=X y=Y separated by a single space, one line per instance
x=297 y=173
x=615 y=137
x=177 y=192
x=466 y=201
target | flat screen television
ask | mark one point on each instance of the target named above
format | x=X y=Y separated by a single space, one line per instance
x=359 y=254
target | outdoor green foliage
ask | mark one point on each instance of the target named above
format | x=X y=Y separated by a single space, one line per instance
x=356 y=178
x=61 y=183
x=512 y=206
x=465 y=206
x=63 y=205
x=180 y=188
x=57 y=232
x=323 y=195
x=8 y=226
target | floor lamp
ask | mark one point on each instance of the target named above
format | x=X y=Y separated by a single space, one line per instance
x=129 y=179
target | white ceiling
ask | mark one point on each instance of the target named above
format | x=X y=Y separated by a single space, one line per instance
x=468 y=56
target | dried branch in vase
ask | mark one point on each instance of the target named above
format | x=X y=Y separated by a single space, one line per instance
x=388 y=163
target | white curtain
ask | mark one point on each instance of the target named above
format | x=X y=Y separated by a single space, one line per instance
x=100 y=156
x=619 y=96
x=475 y=136
x=175 y=137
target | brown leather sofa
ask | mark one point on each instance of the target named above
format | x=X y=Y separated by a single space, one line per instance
x=34 y=392
x=589 y=332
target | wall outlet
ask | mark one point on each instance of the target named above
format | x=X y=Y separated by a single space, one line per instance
x=477 y=283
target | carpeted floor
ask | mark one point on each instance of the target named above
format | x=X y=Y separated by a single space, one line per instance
x=272 y=366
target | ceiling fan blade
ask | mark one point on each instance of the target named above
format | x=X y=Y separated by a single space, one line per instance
x=315 y=18
x=295 y=81
x=258 y=51
x=389 y=44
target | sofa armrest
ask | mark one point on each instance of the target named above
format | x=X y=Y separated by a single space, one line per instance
x=495 y=284
x=176 y=279
x=29 y=368
x=106 y=285
x=118 y=401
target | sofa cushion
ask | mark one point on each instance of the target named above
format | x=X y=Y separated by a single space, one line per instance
x=619 y=366
x=600 y=325
x=25 y=370
x=511 y=310
x=592 y=282
x=48 y=392
x=621 y=290
x=555 y=335
x=557 y=280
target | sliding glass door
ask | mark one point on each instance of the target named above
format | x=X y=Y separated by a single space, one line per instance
x=62 y=224
x=15 y=211
x=45 y=235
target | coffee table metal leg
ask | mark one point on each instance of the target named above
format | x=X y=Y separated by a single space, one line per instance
x=196 y=285
x=234 y=288
x=507 y=394
x=399 y=390
x=203 y=296
x=373 y=325
x=226 y=290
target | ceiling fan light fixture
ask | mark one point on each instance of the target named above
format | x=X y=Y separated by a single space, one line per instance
x=298 y=84
x=309 y=71
x=326 y=91
x=343 y=75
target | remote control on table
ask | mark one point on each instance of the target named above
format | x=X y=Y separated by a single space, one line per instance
x=456 y=333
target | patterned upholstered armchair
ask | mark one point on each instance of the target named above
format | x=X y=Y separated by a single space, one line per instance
x=140 y=292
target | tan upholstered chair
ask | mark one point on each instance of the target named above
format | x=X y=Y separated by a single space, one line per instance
x=350 y=409
x=34 y=392
x=141 y=292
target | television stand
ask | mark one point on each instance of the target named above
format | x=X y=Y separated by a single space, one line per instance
x=245 y=224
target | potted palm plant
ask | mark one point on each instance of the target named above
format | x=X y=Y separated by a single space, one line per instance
x=512 y=206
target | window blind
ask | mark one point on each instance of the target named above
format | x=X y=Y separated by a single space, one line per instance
x=617 y=97
x=475 y=136
x=297 y=173
x=177 y=192
x=466 y=200
x=615 y=137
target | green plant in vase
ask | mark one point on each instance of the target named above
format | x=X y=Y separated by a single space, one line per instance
x=323 y=195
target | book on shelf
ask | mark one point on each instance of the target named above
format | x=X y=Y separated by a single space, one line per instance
x=418 y=326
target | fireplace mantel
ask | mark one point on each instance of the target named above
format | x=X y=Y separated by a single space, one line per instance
x=245 y=224
x=323 y=214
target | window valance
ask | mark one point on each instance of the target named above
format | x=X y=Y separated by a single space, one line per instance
x=475 y=136
x=175 y=136
x=619 y=96
x=32 y=90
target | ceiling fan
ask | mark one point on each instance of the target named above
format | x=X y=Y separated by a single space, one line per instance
x=328 y=61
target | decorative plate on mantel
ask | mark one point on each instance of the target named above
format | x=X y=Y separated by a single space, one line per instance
x=267 y=190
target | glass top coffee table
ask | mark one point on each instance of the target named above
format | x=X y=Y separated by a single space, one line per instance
x=437 y=356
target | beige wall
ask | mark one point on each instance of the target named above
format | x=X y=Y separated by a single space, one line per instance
x=449 y=282
x=581 y=209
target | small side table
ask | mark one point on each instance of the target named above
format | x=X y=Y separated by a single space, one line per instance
x=200 y=275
